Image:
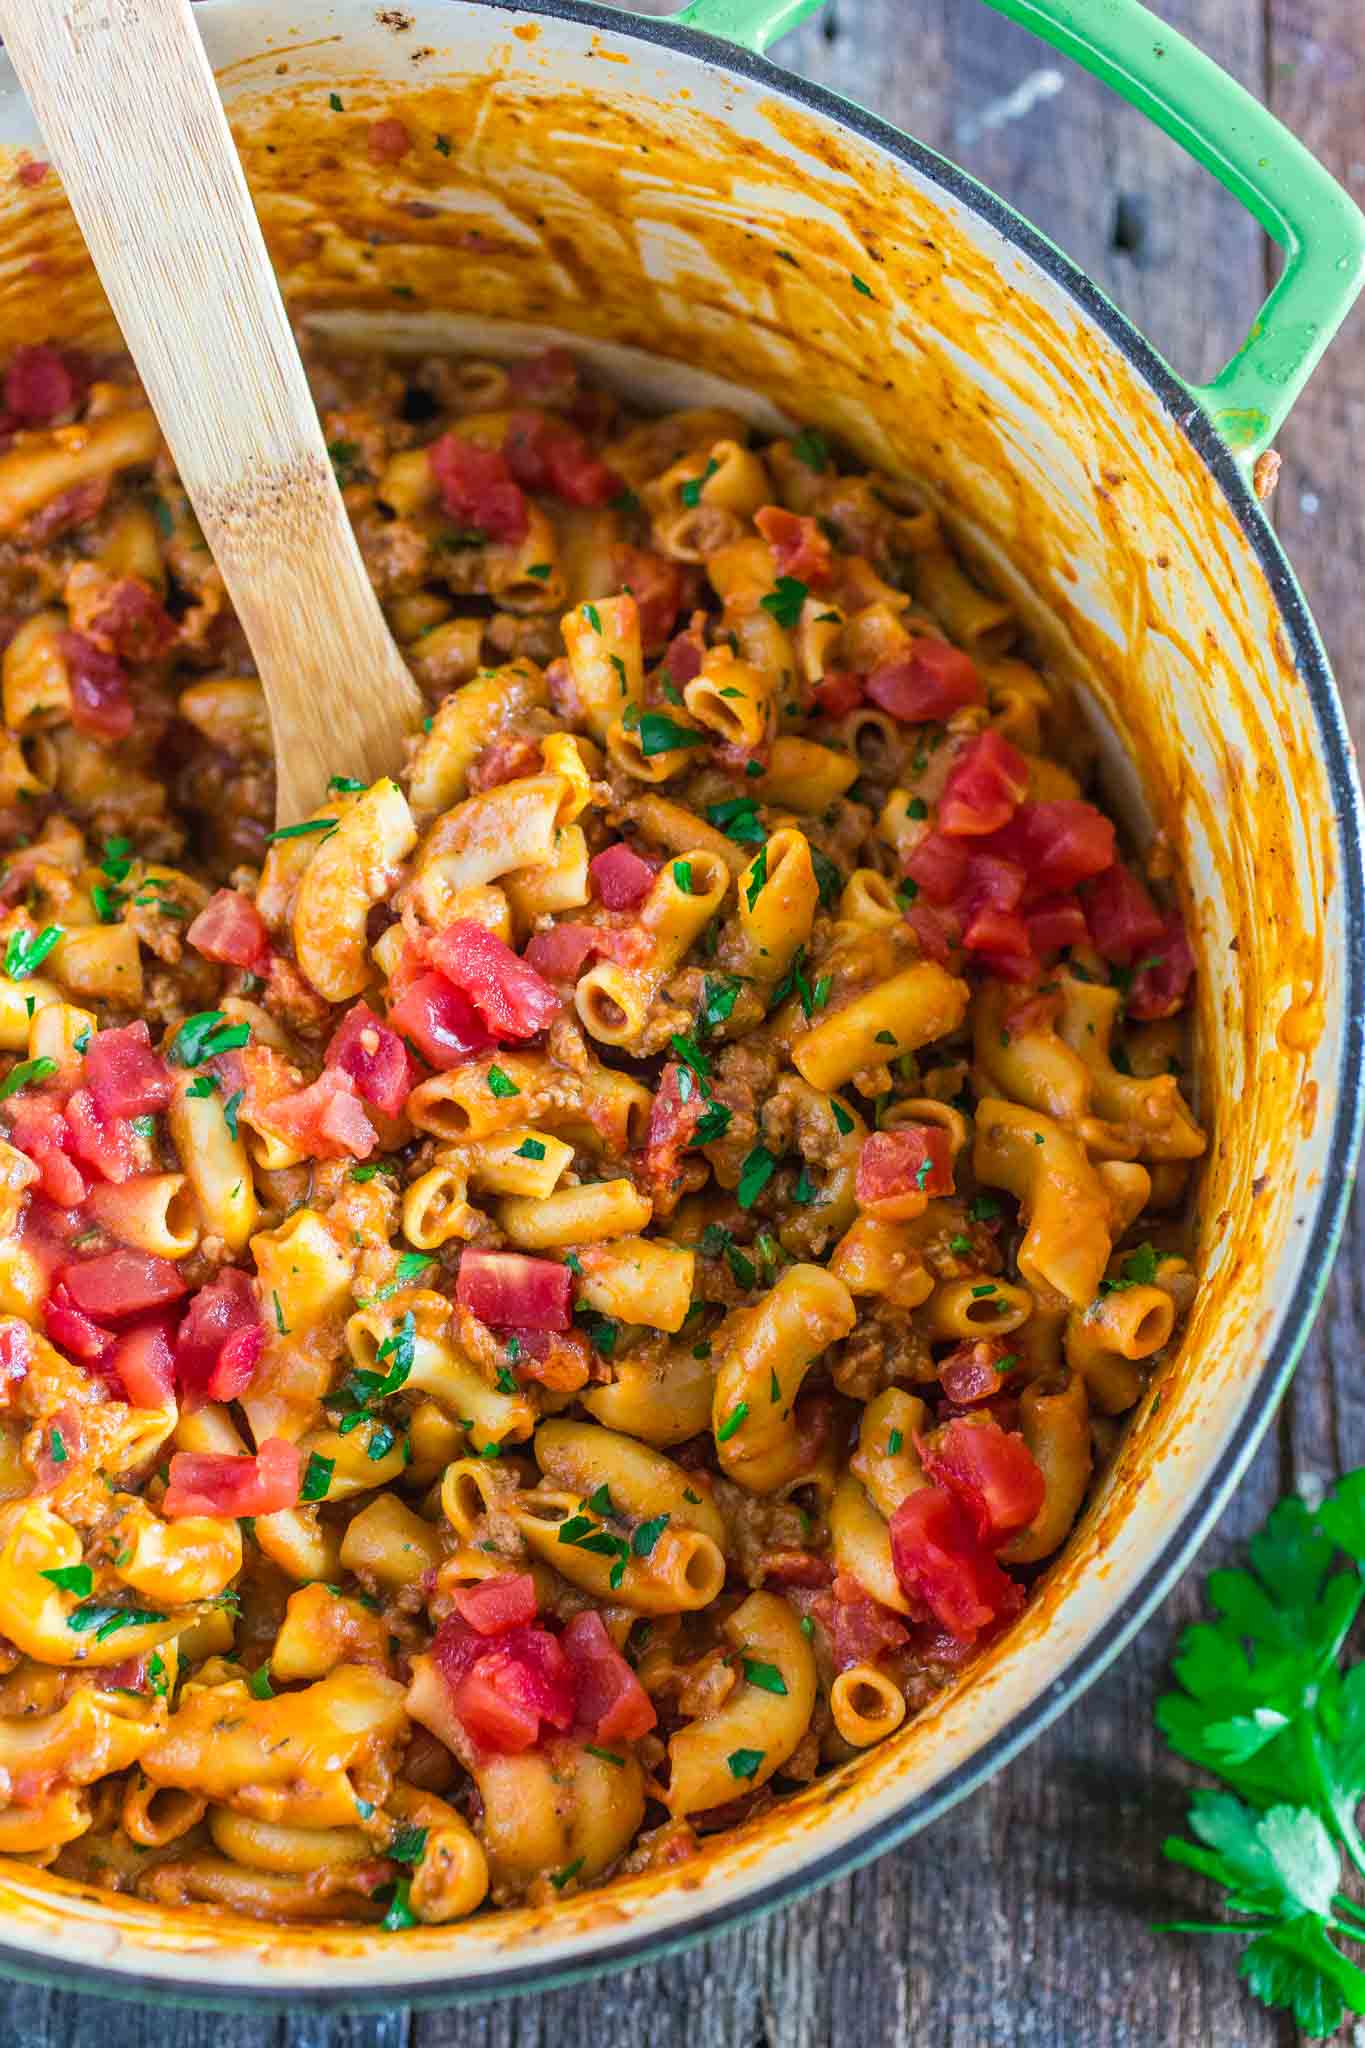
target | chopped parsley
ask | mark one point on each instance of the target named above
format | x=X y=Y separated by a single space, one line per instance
x=758 y=876
x=744 y=1763
x=203 y=1084
x=345 y=785
x=682 y=875
x=559 y=1878
x=859 y=286
x=718 y=1000
x=106 y=1620
x=317 y=1477
x=72 y=1578
x=785 y=600
x=530 y=1148
x=25 y=952
x=1139 y=1269
x=593 y=617
x=203 y=1036
x=230 y=1109
x=259 y=1686
x=827 y=876
x=56 y=1447
x=732 y=1422
x=766 y=1677
x=738 y=819
x=660 y=734
x=811 y=447
x=893 y=1443
x=400 y=1915
x=26 y=1074
x=606 y=1756
x=841 y=1115
x=408 y=1844
x=695 y=485
x=754 y=1175
x=501 y=1084
x=982 y=1208
x=647 y=1535
x=301 y=831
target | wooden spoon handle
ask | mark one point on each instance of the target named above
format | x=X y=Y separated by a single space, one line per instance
x=131 y=115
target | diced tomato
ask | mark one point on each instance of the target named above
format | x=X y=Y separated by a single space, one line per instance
x=926 y=684
x=100 y=704
x=133 y=620
x=563 y=950
x=673 y=1120
x=512 y=999
x=141 y=1362
x=799 y=548
x=1058 y=844
x=513 y=1289
x=839 y=691
x=1162 y=980
x=508 y=1600
x=1056 y=922
x=375 y=1058
x=937 y=931
x=559 y=1359
x=67 y=1421
x=504 y=759
x=230 y=928
x=477 y=489
x=804 y=1568
x=859 y=1628
x=38 y=384
x=938 y=866
x=612 y=1703
x=999 y=941
x=74 y=1332
x=115 y=1285
x=656 y=584
x=39 y=1129
x=214 y=1483
x=325 y=1120
x=388 y=140
x=544 y=454
x=220 y=1341
x=103 y=1145
x=989 y=1471
x=621 y=877
x=1122 y=918
x=501 y=1691
x=971 y=1372
x=550 y=379
x=940 y=1564
x=34 y=171
x=984 y=788
x=441 y=1022
x=685 y=653
x=899 y=1170
x=124 y=1075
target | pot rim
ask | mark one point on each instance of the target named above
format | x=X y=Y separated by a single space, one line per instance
x=1319 y=1241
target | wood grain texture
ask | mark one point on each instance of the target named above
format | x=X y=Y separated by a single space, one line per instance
x=127 y=103
x=1021 y=1920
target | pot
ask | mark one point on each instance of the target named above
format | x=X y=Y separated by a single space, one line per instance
x=663 y=198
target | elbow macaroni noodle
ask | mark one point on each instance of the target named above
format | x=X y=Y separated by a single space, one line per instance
x=526 y=1295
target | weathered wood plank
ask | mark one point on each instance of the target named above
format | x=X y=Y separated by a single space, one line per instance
x=1020 y=1922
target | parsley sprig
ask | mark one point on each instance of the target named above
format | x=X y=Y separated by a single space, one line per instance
x=1263 y=1703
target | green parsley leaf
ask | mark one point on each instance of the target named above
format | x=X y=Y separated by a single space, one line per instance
x=302 y=831
x=803 y=1190
x=660 y=734
x=599 y=1500
x=1138 y=1269
x=754 y=1175
x=230 y=1109
x=334 y=102
x=758 y=876
x=691 y=491
x=982 y=1208
x=682 y=875
x=25 y=952
x=859 y=286
x=204 y=1035
x=317 y=1477
x=732 y=1422
x=738 y=819
x=71 y=1578
x=408 y=1844
x=785 y=600
x=540 y=570
x=259 y=1686
x=280 y=1323
x=203 y=1084
x=959 y=1243
x=559 y=1878
x=718 y=1000
x=530 y=1148
x=501 y=1084
x=106 y=1619
x=841 y=1115
x=345 y=785
x=26 y=1074
x=443 y=144
x=647 y=1535
x=56 y=1447
x=606 y=1756
x=400 y=1915
x=811 y=447
x=744 y=1763
x=894 y=1440
x=766 y=1677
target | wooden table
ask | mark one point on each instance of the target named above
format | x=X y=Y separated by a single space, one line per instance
x=1022 y=1918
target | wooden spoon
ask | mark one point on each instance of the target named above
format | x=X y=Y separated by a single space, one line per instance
x=132 y=119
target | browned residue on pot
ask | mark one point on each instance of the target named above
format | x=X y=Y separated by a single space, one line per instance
x=542 y=200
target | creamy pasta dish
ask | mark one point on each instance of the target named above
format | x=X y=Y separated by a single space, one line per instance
x=548 y=1303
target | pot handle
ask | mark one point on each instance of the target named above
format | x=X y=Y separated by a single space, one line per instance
x=1295 y=199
